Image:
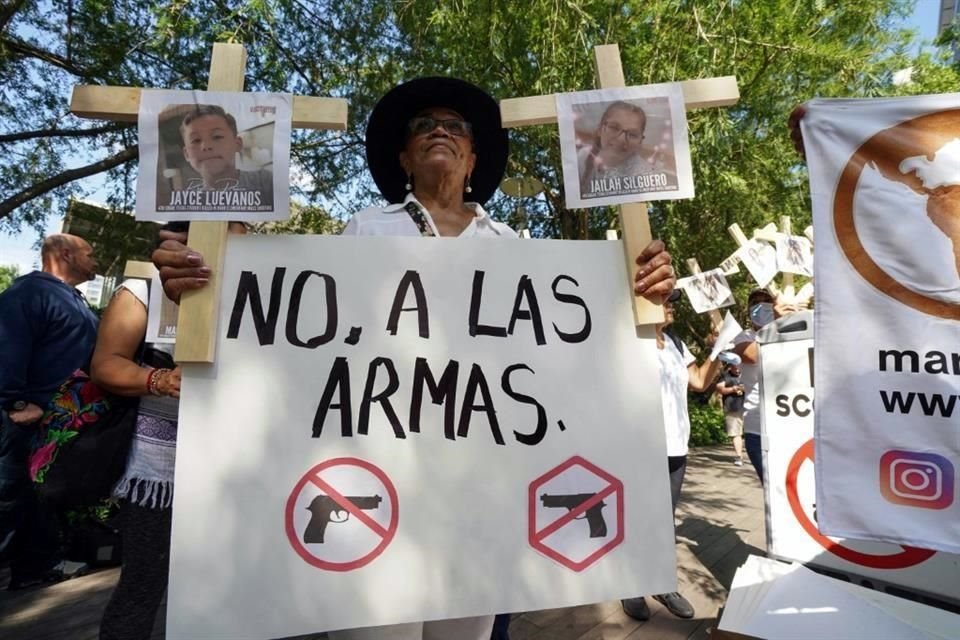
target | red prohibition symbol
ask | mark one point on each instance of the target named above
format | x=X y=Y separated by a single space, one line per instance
x=584 y=505
x=908 y=557
x=343 y=503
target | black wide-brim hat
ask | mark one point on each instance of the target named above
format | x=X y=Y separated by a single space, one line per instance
x=387 y=133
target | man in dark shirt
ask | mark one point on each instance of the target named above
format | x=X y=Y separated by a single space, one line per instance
x=47 y=330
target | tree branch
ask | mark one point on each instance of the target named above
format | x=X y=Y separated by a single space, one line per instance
x=64 y=133
x=16 y=45
x=7 y=10
x=40 y=188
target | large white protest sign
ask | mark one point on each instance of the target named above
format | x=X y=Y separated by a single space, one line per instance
x=884 y=179
x=214 y=155
x=792 y=510
x=624 y=145
x=769 y=599
x=402 y=429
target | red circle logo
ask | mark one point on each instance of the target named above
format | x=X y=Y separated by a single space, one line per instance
x=337 y=501
x=909 y=557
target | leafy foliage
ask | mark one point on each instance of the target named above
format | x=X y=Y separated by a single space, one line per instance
x=706 y=425
x=8 y=273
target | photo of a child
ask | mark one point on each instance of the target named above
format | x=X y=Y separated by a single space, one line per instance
x=215 y=156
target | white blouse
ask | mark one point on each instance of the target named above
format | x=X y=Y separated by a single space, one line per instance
x=674 y=379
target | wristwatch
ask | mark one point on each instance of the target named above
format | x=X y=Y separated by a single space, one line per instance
x=18 y=405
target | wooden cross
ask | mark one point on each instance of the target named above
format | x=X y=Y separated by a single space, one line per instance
x=770 y=233
x=634 y=222
x=741 y=239
x=199 y=309
x=716 y=320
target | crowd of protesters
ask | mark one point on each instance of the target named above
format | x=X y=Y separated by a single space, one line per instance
x=440 y=154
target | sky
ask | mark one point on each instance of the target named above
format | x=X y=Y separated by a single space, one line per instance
x=19 y=249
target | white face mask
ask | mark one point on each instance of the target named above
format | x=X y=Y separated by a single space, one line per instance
x=761 y=314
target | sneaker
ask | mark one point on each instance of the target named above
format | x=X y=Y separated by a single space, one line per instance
x=63 y=570
x=738 y=462
x=675 y=604
x=636 y=608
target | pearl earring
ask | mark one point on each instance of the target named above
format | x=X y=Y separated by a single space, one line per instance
x=408 y=186
x=468 y=188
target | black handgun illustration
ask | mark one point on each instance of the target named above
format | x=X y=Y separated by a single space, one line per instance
x=594 y=516
x=323 y=508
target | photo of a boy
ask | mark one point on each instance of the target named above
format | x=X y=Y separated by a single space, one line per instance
x=210 y=146
x=213 y=155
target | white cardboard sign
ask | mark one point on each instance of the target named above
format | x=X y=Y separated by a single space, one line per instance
x=162 y=314
x=787 y=405
x=402 y=429
x=707 y=290
x=760 y=259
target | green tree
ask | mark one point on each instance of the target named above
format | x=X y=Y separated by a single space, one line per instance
x=8 y=273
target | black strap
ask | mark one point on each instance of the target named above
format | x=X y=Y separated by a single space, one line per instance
x=420 y=219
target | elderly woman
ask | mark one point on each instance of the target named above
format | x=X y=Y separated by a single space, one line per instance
x=437 y=152
x=615 y=151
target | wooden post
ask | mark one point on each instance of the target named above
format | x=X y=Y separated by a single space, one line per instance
x=199 y=309
x=634 y=222
x=716 y=320
x=137 y=269
x=633 y=218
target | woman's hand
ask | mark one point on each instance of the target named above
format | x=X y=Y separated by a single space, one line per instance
x=181 y=268
x=655 y=278
x=783 y=308
x=168 y=382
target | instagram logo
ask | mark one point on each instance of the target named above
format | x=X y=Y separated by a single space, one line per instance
x=916 y=479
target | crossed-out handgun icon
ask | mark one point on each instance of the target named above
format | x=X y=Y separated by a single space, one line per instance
x=323 y=508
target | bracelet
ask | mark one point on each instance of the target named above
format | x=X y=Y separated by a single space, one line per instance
x=150 y=380
x=153 y=381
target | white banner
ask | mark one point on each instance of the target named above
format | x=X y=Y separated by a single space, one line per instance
x=400 y=429
x=792 y=509
x=884 y=176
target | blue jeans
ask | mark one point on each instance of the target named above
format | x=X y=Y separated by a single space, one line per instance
x=29 y=531
x=752 y=443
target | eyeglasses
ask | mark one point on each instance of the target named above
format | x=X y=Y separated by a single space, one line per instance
x=632 y=136
x=425 y=124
